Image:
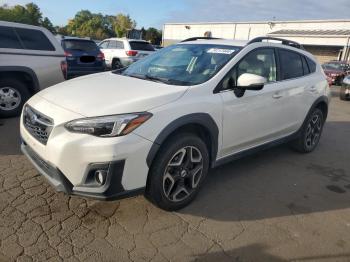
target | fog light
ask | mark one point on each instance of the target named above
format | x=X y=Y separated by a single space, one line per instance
x=100 y=176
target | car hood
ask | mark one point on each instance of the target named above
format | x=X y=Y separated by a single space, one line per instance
x=109 y=93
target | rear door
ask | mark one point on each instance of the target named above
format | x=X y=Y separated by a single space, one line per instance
x=298 y=84
x=143 y=48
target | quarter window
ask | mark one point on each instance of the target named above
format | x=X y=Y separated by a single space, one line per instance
x=8 y=38
x=305 y=66
x=312 y=65
x=291 y=64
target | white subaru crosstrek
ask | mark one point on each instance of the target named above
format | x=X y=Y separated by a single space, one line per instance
x=159 y=125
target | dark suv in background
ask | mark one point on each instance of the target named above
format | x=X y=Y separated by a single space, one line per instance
x=83 y=57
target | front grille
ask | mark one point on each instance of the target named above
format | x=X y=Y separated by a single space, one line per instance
x=37 y=124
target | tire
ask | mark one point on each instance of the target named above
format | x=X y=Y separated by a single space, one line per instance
x=174 y=179
x=116 y=64
x=310 y=132
x=342 y=94
x=13 y=95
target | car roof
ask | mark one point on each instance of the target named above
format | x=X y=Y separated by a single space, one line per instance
x=124 y=39
x=13 y=24
x=228 y=42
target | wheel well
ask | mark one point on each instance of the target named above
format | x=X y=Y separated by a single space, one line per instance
x=24 y=77
x=197 y=129
x=323 y=107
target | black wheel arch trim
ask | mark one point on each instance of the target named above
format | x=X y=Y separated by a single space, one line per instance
x=23 y=69
x=202 y=119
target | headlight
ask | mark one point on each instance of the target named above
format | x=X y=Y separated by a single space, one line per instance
x=108 y=126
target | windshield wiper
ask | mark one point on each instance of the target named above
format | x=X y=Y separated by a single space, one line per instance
x=159 y=79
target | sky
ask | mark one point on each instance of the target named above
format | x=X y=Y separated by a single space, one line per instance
x=154 y=13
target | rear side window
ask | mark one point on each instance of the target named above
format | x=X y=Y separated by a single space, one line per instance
x=312 y=65
x=116 y=45
x=143 y=46
x=8 y=38
x=34 y=39
x=291 y=65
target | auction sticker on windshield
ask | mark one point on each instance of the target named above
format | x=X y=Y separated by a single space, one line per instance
x=221 y=51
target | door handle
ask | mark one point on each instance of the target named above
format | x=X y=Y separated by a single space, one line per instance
x=277 y=95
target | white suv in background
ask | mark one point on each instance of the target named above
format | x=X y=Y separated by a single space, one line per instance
x=121 y=52
x=31 y=59
x=159 y=125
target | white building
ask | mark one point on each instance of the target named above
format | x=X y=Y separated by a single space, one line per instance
x=326 y=39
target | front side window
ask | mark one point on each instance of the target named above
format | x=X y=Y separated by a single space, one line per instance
x=8 y=38
x=291 y=64
x=261 y=62
x=104 y=45
x=34 y=39
x=184 y=64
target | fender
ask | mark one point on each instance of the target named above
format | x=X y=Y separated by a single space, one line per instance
x=202 y=119
x=23 y=69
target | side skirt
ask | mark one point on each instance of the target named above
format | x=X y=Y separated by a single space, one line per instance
x=254 y=150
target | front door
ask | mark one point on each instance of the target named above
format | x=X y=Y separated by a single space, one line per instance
x=253 y=118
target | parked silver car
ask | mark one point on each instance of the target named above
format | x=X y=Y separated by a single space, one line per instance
x=31 y=59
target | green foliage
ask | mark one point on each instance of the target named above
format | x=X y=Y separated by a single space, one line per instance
x=84 y=24
x=122 y=23
x=28 y=14
x=153 y=35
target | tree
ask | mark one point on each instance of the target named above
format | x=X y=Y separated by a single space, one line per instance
x=28 y=14
x=122 y=23
x=153 y=35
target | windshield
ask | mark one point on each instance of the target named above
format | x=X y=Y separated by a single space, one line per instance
x=184 y=64
x=80 y=45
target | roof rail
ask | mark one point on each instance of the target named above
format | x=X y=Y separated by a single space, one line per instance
x=284 y=41
x=198 y=38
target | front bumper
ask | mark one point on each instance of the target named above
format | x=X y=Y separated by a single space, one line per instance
x=68 y=159
x=111 y=190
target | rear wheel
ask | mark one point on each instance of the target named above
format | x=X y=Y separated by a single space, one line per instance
x=178 y=172
x=116 y=64
x=13 y=95
x=310 y=133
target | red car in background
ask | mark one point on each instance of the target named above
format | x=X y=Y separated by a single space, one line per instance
x=334 y=72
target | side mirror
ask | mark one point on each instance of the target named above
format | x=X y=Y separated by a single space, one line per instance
x=251 y=82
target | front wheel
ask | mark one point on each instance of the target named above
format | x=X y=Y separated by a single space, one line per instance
x=177 y=172
x=13 y=95
x=310 y=132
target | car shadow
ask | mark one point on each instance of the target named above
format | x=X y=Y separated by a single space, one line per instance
x=280 y=182
x=260 y=252
x=10 y=142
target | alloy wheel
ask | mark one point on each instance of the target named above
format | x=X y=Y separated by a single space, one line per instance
x=313 y=131
x=10 y=98
x=183 y=174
